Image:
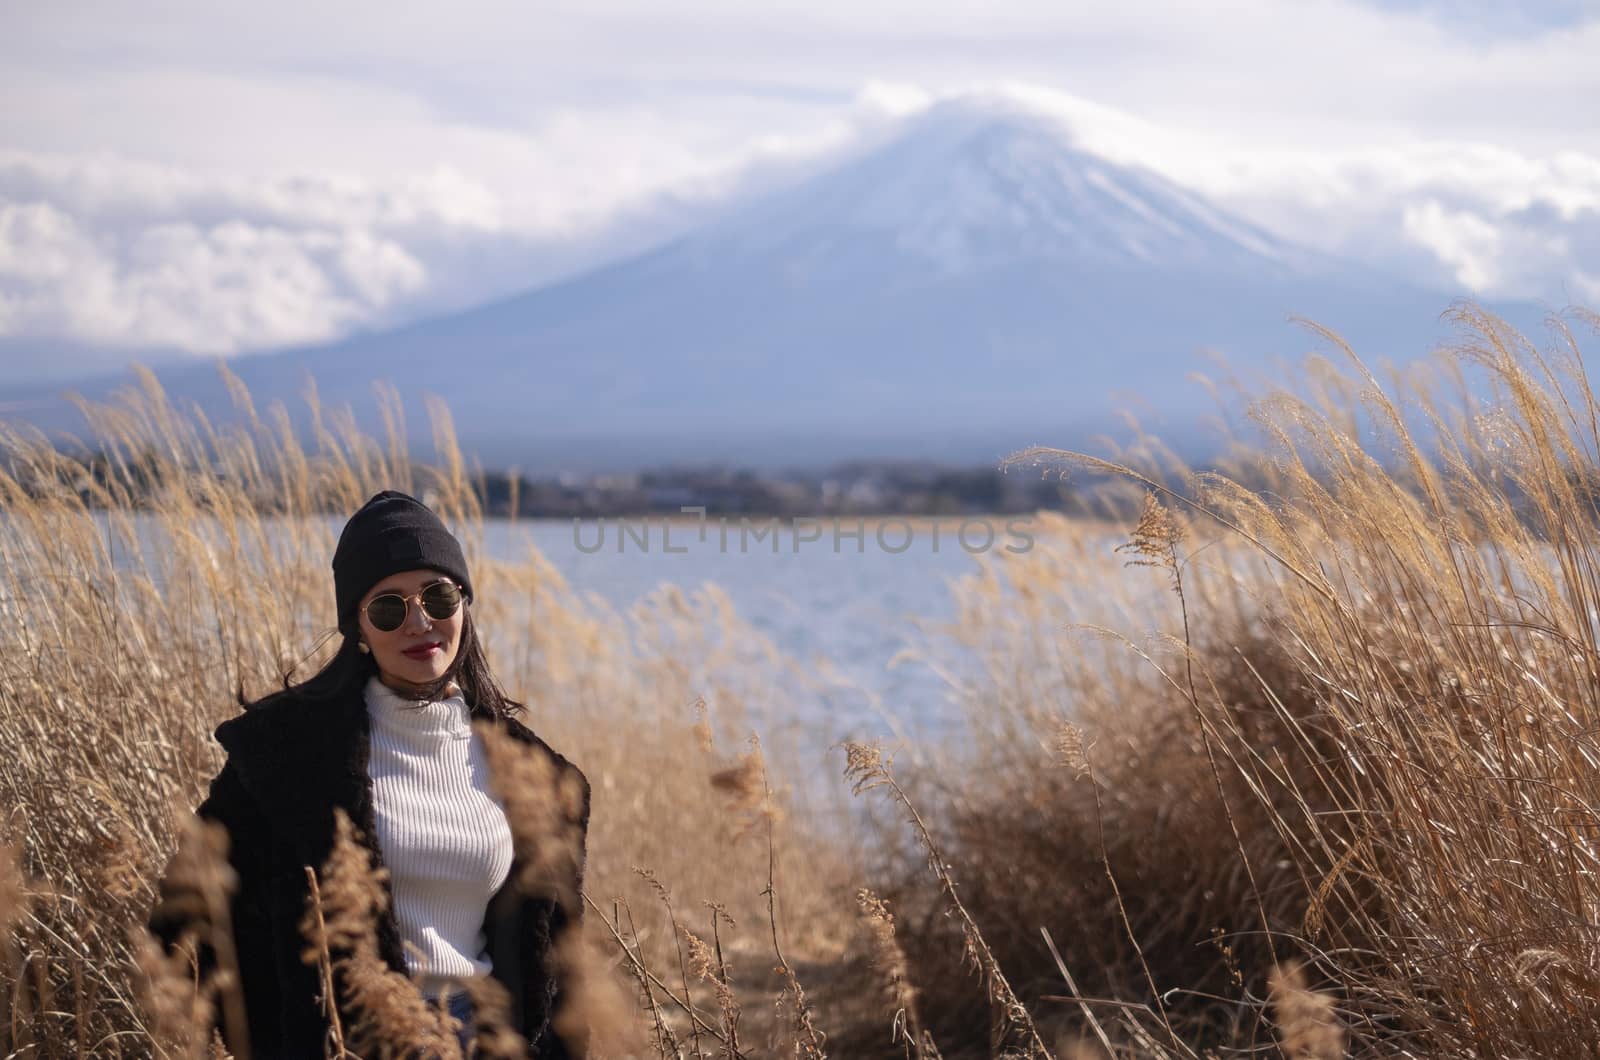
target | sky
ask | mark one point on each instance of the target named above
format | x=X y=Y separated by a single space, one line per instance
x=215 y=178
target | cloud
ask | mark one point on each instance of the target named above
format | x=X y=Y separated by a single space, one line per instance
x=1471 y=218
x=129 y=253
x=205 y=289
x=221 y=179
x=132 y=254
x=1468 y=244
x=1530 y=253
x=1300 y=72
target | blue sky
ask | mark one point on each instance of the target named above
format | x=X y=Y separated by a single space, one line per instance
x=225 y=177
x=1479 y=18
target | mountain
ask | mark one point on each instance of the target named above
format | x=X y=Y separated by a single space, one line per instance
x=970 y=283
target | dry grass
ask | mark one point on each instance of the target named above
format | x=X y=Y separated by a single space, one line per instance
x=139 y=595
x=1358 y=732
x=1318 y=775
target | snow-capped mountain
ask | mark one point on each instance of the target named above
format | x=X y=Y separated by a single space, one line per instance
x=970 y=282
x=976 y=184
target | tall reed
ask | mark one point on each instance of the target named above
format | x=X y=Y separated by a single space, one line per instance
x=1303 y=759
x=1357 y=733
x=144 y=587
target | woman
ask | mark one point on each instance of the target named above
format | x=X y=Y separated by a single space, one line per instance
x=384 y=733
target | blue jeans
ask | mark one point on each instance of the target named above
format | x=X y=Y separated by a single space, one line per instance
x=461 y=1009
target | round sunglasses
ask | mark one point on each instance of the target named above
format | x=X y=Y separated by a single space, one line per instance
x=439 y=600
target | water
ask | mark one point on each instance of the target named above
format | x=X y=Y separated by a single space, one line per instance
x=835 y=601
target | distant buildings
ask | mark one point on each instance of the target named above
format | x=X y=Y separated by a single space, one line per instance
x=861 y=487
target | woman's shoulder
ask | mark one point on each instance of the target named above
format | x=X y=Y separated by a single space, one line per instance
x=280 y=720
x=520 y=732
x=572 y=784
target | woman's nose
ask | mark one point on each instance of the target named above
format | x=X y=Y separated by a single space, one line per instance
x=416 y=617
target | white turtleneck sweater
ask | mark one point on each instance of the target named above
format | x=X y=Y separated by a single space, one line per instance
x=443 y=834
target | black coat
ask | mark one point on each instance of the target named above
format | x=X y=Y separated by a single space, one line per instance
x=290 y=764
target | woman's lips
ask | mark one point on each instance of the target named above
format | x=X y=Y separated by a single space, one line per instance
x=422 y=651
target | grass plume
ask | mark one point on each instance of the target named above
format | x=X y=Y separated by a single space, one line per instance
x=1341 y=727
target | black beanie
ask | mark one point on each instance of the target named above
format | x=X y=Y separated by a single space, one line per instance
x=392 y=532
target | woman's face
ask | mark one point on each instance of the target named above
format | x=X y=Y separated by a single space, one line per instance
x=422 y=649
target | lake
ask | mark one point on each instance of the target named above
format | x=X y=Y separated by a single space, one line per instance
x=848 y=591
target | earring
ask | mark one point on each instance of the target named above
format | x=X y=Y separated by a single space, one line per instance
x=362 y=646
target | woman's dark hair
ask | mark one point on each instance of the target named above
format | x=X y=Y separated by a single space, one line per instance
x=347 y=673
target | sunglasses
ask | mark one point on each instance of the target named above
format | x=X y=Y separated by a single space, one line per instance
x=439 y=600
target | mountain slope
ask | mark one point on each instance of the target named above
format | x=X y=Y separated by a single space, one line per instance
x=971 y=283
